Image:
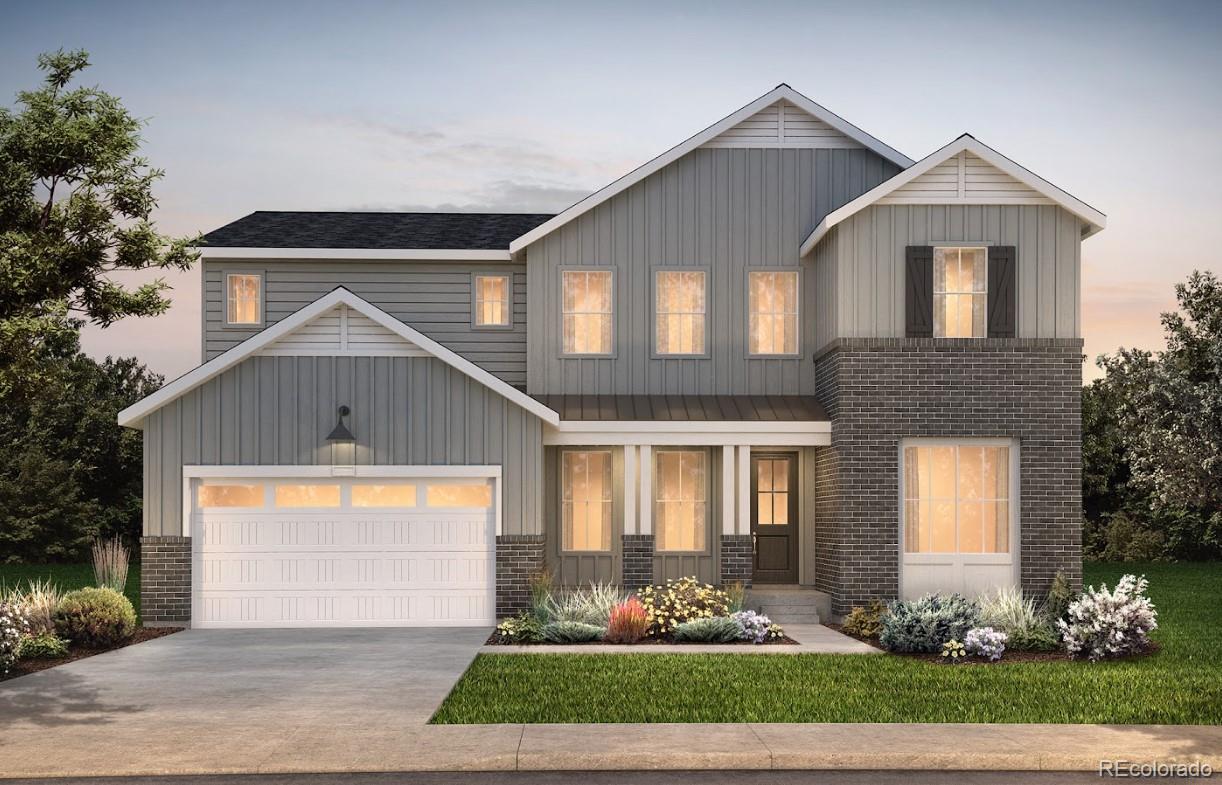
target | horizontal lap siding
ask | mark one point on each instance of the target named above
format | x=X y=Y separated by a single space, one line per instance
x=726 y=210
x=870 y=263
x=434 y=298
x=405 y=411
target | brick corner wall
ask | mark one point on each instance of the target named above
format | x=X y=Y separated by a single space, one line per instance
x=637 y=561
x=165 y=581
x=736 y=559
x=518 y=556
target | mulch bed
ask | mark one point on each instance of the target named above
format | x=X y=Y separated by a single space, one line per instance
x=496 y=640
x=1010 y=655
x=25 y=667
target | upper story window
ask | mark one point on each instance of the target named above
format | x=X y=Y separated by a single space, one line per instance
x=587 y=317
x=772 y=312
x=492 y=301
x=959 y=292
x=243 y=298
x=679 y=301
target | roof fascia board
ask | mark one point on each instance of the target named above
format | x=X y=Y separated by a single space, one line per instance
x=783 y=92
x=367 y=254
x=1096 y=219
x=134 y=414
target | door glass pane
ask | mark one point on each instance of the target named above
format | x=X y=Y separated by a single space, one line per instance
x=231 y=495
x=307 y=495
x=459 y=495
x=780 y=508
x=772 y=491
x=401 y=495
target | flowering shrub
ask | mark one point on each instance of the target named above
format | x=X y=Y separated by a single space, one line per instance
x=986 y=642
x=1110 y=624
x=953 y=651
x=924 y=625
x=12 y=627
x=628 y=623
x=756 y=627
x=714 y=629
x=668 y=606
x=523 y=628
x=865 y=622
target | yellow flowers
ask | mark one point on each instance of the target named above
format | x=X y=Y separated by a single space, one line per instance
x=682 y=600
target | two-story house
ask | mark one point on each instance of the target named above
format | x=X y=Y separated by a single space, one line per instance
x=780 y=353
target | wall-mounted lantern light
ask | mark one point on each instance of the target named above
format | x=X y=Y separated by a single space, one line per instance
x=340 y=433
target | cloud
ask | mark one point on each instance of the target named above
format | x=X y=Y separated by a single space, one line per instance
x=502 y=196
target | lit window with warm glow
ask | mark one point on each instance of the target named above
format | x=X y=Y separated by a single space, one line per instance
x=399 y=495
x=459 y=495
x=585 y=483
x=307 y=495
x=959 y=292
x=773 y=312
x=679 y=312
x=681 y=509
x=230 y=495
x=243 y=293
x=492 y=300
x=586 y=314
x=957 y=498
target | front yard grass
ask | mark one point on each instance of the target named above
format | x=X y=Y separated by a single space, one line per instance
x=68 y=576
x=1181 y=684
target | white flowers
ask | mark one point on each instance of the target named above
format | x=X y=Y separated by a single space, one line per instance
x=12 y=626
x=986 y=642
x=1110 y=624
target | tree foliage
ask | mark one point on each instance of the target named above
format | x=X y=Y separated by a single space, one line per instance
x=1152 y=431
x=75 y=206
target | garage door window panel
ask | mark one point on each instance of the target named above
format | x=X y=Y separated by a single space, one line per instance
x=454 y=495
x=311 y=495
x=397 y=495
x=231 y=495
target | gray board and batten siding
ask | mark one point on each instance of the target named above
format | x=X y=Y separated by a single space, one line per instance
x=859 y=266
x=432 y=297
x=405 y=411
x=727 y=210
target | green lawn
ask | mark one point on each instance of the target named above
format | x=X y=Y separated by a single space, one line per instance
x=1182 y=684
x=68 y=576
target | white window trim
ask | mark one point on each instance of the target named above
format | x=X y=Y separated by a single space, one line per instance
x=611 y=351
x=1015 y=541
x=475 y=278
x=797 y=317
x=706 y=353
x=984 y=294
x=708 y=500
x=610 y=549
x=262 y=299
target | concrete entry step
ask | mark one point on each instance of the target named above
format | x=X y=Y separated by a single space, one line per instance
x=786 y=604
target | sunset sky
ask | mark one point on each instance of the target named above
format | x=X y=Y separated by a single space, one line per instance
x=530 y=106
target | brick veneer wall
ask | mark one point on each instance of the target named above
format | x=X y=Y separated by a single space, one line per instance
x=881 y=390
x=165 y=581
x=637 y=560
x=518 y=556
x=737 y=559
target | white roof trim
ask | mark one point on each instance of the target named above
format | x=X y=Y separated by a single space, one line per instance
x=780 y=93
x=1095 y=219
x=134 y=414
x=580 y=433
x=370 y=254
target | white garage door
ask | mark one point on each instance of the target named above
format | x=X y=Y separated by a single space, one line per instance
x=330 y=552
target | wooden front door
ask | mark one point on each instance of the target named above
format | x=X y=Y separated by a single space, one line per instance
x=774 y=517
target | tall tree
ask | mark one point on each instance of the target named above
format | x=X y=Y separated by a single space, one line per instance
x=75 y=207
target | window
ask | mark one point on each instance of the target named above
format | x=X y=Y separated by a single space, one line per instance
x=230 y=495
x=243 y=295
x=681 y=511
x=307 y=495
x=585 y=484
x=959 y=292
x=773 y=312
x=679 y=303
x=586 y=314
x=957 y=498
x=492 y=306
x=401 y=495
x=459 y=495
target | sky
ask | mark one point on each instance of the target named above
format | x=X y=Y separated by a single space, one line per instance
x=529 y=106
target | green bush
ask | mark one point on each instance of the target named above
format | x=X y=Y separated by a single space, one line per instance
x=1037 y=638
x=572 y=632
x=924 y=625
x=715 y=629
x=523 y=628
x=1119 y=538
x=865 y=622
x=1060 y=595
x=589 y=605
x=95 y=617
x=44 y=646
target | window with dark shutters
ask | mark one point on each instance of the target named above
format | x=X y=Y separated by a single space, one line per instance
x=1003 y=293
x=918 y=287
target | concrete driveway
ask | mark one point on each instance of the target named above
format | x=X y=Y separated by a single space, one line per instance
x=235 y=700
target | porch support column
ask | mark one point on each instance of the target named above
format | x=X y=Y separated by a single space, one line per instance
x=729 y=510
x=645 y=519
x=744 y=489
x=630 y=496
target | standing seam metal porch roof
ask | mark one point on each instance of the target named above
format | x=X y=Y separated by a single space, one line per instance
x=685 y=408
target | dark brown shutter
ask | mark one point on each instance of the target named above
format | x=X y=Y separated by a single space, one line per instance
x=918 y=286
x=1003 y=294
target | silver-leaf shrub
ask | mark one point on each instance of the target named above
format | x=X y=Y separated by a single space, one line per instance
x=1104 y=624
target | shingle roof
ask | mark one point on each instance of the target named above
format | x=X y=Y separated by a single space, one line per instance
x=685 y=408
x=461 y=231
